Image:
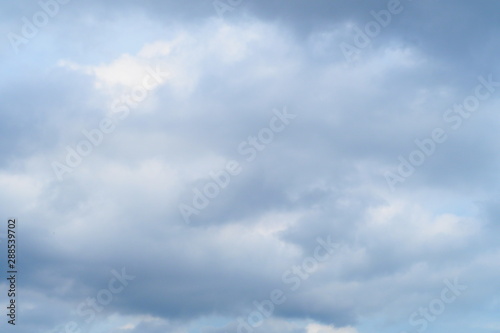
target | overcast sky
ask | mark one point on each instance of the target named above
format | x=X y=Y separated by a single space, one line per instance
x=326 y=166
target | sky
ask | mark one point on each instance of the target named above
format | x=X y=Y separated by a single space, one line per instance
x=250 y=166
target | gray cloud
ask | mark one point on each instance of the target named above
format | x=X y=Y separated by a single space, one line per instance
x=322 y=175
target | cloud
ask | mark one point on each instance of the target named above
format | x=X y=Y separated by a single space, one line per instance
x=317 y=328
x=224 y=79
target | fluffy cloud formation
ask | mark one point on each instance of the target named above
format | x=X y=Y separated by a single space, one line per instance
x=116 y=116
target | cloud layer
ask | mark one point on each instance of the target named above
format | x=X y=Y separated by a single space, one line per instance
x=117 y=115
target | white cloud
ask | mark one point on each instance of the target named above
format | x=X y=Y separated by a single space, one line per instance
x=317 y=328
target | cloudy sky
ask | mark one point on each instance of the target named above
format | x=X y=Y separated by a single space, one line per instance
x=251 y=166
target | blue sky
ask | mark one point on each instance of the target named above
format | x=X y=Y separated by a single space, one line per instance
x=252 y=166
